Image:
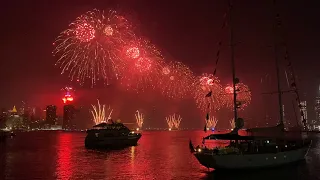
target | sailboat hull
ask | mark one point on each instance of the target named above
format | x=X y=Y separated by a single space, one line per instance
x=248 y=161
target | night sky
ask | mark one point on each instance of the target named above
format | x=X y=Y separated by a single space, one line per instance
x=185 y=31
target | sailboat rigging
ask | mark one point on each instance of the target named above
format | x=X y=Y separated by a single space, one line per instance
x=251 y=151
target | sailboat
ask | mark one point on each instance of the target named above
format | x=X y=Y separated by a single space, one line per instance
x=251 y=151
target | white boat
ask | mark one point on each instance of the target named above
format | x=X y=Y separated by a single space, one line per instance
x=256 y=150
x=251 y=152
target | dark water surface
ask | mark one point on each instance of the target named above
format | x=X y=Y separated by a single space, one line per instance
x=160 y=155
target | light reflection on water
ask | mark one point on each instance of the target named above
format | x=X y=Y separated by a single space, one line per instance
x=159 y=155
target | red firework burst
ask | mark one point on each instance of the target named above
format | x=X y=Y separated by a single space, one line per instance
x=243 y=96
x=141 y=66
x=133 y=52
x=205 y=84
x=85 y=32
x=90 y=48
x=176 y=80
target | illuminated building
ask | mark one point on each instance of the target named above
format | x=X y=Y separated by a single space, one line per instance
x=3 y=118
x=317 y=110
x=304 y=110
x=51 y=115
x=69 y=110
x=69 y=113
x=14 y=121
x=68 y=97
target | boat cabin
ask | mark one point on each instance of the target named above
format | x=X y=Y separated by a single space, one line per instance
x=109 y=129
x=251 y=144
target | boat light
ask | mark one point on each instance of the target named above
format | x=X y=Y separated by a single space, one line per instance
x=267 y=141
x=285 y=146
x=132 y=132
x=199 y=150
x=276 y=146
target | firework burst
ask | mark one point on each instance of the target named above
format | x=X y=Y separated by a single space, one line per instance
x=89 y=49
x=142 y=65
x=205 y=84
x=211 y=122
x=99 y=113
x=243 y=96
x=173 y=121
x=176 y=80
x=139 y=117
x=170 y=122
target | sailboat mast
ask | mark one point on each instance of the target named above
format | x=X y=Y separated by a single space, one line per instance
x=234 y=79
x=277 y=64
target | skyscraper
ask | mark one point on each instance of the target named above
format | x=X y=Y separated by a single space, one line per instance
x=69 y=113
x=51 y=115
x=304 y=110
x=317 y=110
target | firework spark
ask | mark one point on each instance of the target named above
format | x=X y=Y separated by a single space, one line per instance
x=139 y=117
x=173 y=121
x=243 y=96
x=176 y=80
x=205 y=84
x=90 y=48
x=99 y=113
x=211 y=122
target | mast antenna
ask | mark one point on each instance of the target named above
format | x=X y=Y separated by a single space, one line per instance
x=235 y=80
x=275 y=26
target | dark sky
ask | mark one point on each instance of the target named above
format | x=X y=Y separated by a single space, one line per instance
x=187 y=31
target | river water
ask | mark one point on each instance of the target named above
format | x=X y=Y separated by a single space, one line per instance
x=160 y=155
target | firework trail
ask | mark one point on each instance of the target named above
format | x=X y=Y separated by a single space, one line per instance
x=232 y=123
x=176 y=80
x=139 y=117
x=90 y=48
x=99 y=113
x=243 y=96
x=205 y=84
x=211 y=122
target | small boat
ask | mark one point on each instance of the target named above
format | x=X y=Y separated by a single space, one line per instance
x=111 y=135
x=256 y=150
